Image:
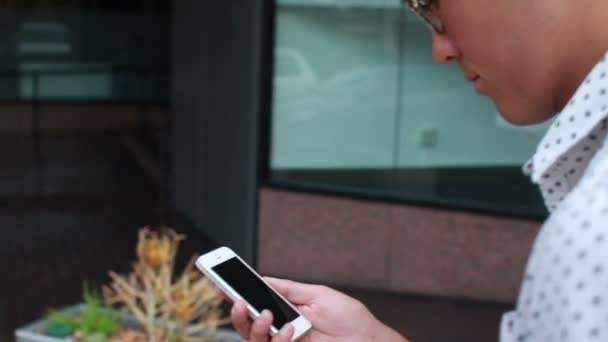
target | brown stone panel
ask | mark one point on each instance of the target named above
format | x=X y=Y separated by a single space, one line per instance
x=323 y=239
x=67 y=118
x=400 y=248
x=458 y=254
x=156 y=116
x=15 y=120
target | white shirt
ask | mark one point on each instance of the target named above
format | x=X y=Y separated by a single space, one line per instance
x=564 y=293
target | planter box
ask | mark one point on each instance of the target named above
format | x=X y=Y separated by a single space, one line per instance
x=31 y=332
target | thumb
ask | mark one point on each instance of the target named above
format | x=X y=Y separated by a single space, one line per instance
x=297 y=293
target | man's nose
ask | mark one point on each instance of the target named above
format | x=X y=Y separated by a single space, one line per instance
x=444 y=51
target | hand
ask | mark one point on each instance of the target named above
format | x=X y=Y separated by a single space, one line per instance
x=335 y=317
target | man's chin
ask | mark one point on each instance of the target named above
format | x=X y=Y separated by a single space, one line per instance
x=517 y=120
x=522 y=116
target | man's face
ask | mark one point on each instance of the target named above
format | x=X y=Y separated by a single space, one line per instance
x=497 y=46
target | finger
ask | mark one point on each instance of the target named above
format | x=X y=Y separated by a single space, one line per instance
x=285 y=334
x=261 y=327
x=240 y=319
x=222 y=294
x=297 y=293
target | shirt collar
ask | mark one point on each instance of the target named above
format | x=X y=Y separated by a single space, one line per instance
x=585 y=110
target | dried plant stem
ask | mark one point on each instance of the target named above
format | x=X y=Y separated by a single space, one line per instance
x=169 y=308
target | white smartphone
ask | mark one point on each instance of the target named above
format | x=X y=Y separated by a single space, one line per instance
x=240 y=282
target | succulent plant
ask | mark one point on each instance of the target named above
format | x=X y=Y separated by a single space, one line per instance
x=95 y=320
x=168 y=307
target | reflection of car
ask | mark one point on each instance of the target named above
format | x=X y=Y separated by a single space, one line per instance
x=295 y=86
x=358 y=102
x=352 y=115
x=43 y=38
x=369 y=90
x=292 y=68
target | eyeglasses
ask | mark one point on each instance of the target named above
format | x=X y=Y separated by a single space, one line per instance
x=427 y=10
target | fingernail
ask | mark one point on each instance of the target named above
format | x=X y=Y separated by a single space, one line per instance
x=286 y=330
x=262 y=318
x=238 y=305
x=259 y=322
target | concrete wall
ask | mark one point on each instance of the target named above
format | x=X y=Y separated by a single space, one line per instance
x=216 y=84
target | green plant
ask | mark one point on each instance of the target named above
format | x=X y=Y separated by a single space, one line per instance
x=170 y=306
x=60 y=325
x=95 y=318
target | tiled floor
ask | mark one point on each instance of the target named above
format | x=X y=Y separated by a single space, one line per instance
x=50 y=245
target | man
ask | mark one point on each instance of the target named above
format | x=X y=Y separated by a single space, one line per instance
x=534 y=59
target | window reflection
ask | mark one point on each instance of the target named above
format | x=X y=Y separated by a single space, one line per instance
x=361 y=108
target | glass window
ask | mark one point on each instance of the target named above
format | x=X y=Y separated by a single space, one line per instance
x=360 y=107
x=85 y=50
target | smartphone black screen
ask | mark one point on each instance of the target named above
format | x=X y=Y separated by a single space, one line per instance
x=255 y=291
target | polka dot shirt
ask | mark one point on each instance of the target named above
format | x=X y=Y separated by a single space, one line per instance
x=564 y=293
